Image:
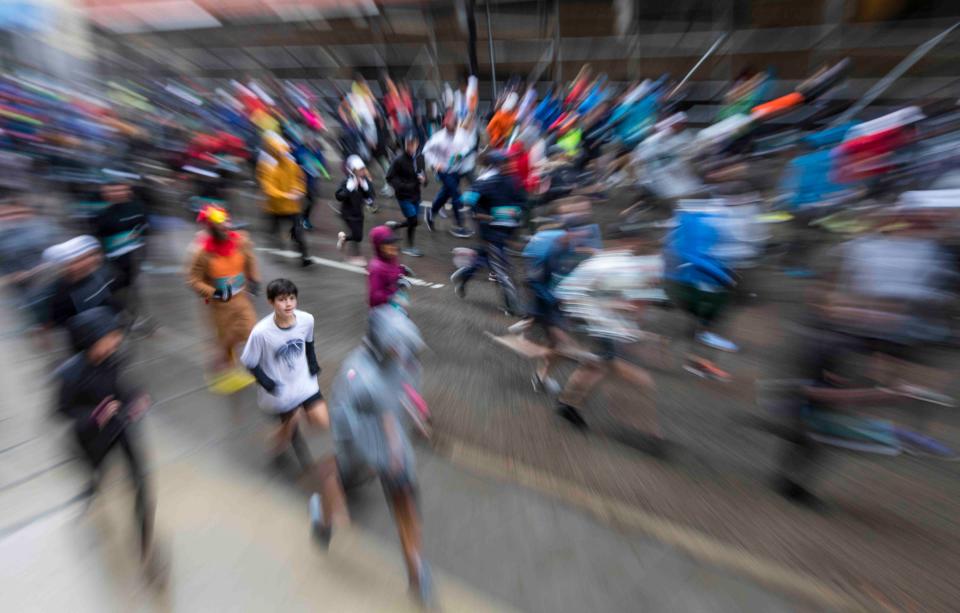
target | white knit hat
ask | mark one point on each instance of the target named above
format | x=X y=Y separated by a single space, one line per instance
x=70 y=250
x=355 y=163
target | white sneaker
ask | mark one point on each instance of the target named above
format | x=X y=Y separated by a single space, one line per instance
x=520 y=327
x=341 y=238
x=717 y=342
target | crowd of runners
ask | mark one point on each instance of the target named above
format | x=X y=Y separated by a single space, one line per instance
x=862 y=214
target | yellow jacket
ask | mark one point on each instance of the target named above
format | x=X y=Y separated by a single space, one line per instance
x=278 y=179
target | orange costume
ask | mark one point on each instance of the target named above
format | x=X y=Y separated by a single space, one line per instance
x=223 y=272
x=500 y=127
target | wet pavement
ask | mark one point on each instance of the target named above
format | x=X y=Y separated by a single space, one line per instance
x=595 y=524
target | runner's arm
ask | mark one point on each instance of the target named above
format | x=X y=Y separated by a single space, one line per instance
x=312 y=358
x=196 y=277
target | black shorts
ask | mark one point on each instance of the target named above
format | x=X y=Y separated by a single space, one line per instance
x=606 y=348
x=306 y=405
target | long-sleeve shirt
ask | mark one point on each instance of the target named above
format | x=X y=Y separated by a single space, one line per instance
x=444 y=151
x=352 y=195
x=403 y=177
x=280 y=178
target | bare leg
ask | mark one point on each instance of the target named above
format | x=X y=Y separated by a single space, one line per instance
x=408 y=528
x=583 y=379
x=318 y=415
x=334 y=500
x=555 y=337
x=284 y=433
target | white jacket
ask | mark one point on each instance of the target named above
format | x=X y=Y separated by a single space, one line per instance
x=447 y=151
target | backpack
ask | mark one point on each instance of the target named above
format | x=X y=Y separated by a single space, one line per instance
x=537 y=251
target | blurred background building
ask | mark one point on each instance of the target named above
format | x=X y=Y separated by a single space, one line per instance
x=326 y=42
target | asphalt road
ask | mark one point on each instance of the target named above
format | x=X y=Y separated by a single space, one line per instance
x=889 y=537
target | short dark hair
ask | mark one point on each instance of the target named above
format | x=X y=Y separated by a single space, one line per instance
x=281 y=287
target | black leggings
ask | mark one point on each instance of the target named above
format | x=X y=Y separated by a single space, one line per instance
x=144 y=507
x=296 y=230
x=410 y=223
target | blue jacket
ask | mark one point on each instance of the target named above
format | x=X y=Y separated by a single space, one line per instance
x=688 y=256
x=807 y=176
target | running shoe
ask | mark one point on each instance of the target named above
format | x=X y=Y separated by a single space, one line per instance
x=862 y=446
x=443 y=212
x=921 y=445
x=307 y=225
x=392 y=224
x=461 y=232
x=230 y=381
x=521 y=326
x=797 y=494
x=341 y=238
x=424 y=591
x=321 y=532
x=547 y=385
x=412 y=252
x=717 y=342
x=572 y=415
x=305 y=262
x=459 y=282
x=708 y=371
x=926 y=395
x=428 y=218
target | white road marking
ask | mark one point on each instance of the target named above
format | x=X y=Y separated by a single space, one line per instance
x=341 y=266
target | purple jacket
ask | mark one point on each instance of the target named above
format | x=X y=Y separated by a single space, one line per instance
x=383 y=273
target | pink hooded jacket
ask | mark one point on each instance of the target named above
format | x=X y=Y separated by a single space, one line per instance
x=383 y=273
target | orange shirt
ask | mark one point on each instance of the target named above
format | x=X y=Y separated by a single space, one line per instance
x=500 y=127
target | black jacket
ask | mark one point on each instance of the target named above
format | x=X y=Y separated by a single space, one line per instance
x=72 y=297
x=403 y=178
x=121 y=225
x=83 y=388
x=352 y=201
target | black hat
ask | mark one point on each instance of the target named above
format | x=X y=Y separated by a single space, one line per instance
x=87 y=327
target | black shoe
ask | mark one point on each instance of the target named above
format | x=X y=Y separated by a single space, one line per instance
x=306 y=262
x=571 y=415
x=797 y=494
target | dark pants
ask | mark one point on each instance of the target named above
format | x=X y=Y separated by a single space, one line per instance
x=126 y=441
x=450 y=189
x=354 y=232
x=492 y=254
x=296 y=230
x=127 y=268
x=409 y=209
x=309 y=200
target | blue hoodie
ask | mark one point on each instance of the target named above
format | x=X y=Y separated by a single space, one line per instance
x=688 y=256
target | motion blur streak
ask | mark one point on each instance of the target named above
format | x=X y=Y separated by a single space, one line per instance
x=588 y=305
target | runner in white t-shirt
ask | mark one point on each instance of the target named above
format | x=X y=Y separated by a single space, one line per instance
x=280 y=353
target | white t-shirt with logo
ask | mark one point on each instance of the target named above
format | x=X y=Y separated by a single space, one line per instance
x=281 y=353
